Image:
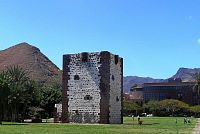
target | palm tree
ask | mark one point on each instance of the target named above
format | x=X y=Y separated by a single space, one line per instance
x=18 y=80
x=4 y=92
x=196 y=87
x=17 y=93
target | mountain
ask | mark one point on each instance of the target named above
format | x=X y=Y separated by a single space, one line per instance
x=129 y=81
x=186 y=74
x=37 y=65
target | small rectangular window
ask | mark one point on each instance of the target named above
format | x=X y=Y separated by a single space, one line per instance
x=84 y=57
x=88 y=97
x=76 y=77
x=116 y=59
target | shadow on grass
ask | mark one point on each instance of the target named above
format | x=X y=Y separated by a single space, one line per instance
x=144 y=124
x=151 y=124
x=13 y=124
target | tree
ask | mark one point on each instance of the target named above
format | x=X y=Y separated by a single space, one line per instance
x=152 y=106
x=131 y=107
x=4 y=92
x=195 y=110
x=173 y=106
x=196 y=87
x=51 y=95
x=19 y=95
x=18 y=81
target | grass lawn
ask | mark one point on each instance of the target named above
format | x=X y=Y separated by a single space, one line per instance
x=152 y=125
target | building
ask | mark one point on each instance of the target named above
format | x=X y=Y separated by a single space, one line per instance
x=135 y=95
x=92 y=88
x=182 y=91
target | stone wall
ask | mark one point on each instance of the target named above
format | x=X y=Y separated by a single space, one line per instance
x=83 y=89
x=115 y=101
x=104 y=87
x=90 y=95
x=65 y=77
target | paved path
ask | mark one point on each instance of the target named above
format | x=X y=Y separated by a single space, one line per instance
x=197 y=128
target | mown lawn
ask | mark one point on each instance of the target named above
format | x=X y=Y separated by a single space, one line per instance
x=153 y=125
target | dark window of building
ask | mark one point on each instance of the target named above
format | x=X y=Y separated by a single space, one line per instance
x=113 y=77
x=76 y=77
x=117 y=98
x=88 y=97
x=84 y=57
x=168 y=97
x=116 y=59
x=180 y=96
x=76 y=111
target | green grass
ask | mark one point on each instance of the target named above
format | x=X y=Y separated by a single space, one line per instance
x=153 y=125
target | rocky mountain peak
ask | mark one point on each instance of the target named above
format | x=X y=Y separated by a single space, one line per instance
x=186 y=74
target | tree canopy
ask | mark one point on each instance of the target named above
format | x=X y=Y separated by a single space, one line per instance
x=19 y=95
x=173 y=106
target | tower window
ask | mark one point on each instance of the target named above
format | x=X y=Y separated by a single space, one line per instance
x=76 y=77
x=88 y=97
x=84 y=57
x=117 y=98
x=113 y=77
x=116 y=59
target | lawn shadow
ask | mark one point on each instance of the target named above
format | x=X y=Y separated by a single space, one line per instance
x=147 y=124
x=13 y=124
x=144 y=124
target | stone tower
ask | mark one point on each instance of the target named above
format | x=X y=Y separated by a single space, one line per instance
x=92 y=88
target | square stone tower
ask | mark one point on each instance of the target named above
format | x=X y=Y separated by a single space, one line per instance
x=92 y=88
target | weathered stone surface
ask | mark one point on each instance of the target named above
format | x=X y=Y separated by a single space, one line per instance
x=92 y=88
x=115 y=94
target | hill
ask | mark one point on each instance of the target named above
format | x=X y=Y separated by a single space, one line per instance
x=38 y=66
x=186 y=74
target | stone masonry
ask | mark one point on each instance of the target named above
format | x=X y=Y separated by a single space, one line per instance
x=92 y=88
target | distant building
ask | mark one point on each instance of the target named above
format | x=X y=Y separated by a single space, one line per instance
x=92 y=88
x=136 y=95
x=173 y=89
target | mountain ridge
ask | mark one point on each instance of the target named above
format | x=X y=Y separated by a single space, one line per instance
x=186 y=74
x=129 y=81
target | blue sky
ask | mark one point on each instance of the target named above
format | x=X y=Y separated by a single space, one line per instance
x=155 y=37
